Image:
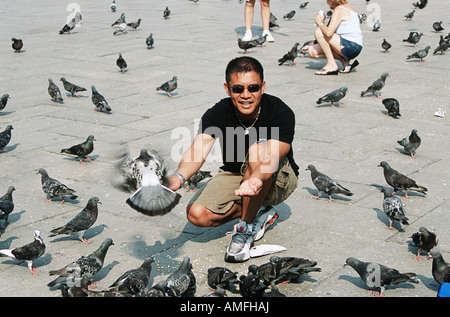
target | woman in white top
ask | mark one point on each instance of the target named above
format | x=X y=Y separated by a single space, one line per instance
x=341 y=40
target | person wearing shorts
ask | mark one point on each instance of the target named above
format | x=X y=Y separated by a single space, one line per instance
x=340 y=40
x=255 y=131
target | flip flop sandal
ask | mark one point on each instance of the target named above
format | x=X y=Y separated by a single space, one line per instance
x=324 y=72
x=347 y=69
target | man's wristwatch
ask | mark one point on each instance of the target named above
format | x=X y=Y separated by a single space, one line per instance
x=183 y=180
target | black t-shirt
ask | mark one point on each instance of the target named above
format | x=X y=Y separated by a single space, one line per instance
x=276 y=121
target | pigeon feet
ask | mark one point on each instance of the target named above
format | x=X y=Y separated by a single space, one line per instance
x=86 y=241
x=34 y=271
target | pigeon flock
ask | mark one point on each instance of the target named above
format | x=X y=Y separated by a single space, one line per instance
x=143 y=176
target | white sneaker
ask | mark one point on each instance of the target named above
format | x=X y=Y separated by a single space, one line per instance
x=269 y=36
x=248 y=36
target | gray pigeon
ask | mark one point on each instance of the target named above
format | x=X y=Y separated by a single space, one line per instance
x=326 y=185
x=89 y=264
x=153 y=198
x=113 y=6
x=303 y=5
x=377 y=276
x=399 y=181
x=99 y=101
x=386 y=45
x=54 y=91
x=169 y=86
x=149 y=41
x=251 y=286
x=260 y=40
x=376 y=26
x=166 y=13
x=425 y=240
x=420 y=54
x=197 y=178
x=54 y=188
x=4 y=101
x=442 y=47
x=157 y=290
x=81 y=222
x=121 y=63
x=392 y=106
x=79 y=287
x=246 y=45
x=81 y=150
x=135 y=280
x=17 y=45
x=437 y=27
x=182 y=282
x=334 y=96
x=72 y=88
x=29 y=252
x=413 y=38
x=411 y=143
x=120 y=20
x=440 y=269
x=376 y=86
x=221 y=278
x=393 y=207
x=289 y=15
x=7 y=203
x=134 y=25
x=290 y=56
x=121 y=29
x=68 y=27
x=410 y=15
x=5 y=137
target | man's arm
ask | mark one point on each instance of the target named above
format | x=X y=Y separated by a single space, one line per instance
x=192 y=159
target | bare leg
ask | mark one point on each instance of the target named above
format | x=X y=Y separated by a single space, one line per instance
x=329 y=48
x=248 y=14
x=265 y=14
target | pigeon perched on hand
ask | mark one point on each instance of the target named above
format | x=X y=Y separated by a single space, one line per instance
x=81 y=222
x=134 y=25
x=5 y=137
x=289 y=15
x=326 y=185
x=386 y=45
x=4 y=101
x=376 y=86
x=393 y=207
x=54 y=188
x=135 y=280
x=89 y=264
x=290 y=56
x=54 y=91
x=399 y=181
x=411 y=143
x=17 y=45
x=72 y=88
x=121 y=63
x=29 y=252
x=334 y=96
x=99 y=101
x=378 y=276
x=437 y=27
x=149 y=41
x=425 y=240
x=221 y=278
x=182 y=281
x=392 y=106
x=410 y=15
x=440 y=269
x=7 y=203
x=420 y=54
x=246 y=45
x=81 y=150
x=169 y=86
x=413 y=38
x=68 y=27
x=197 y=178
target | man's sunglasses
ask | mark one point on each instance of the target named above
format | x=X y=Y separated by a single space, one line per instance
x=238 y=89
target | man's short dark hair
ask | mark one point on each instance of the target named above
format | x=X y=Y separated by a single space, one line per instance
x=243 y=64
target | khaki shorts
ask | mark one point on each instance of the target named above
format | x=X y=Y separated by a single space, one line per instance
x=218 y=193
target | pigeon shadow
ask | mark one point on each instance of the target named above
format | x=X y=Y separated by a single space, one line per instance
x=89 y=234
x=66 y=200
x=76 y=159
x=6 y=244
x=9 y=148
x=104 y=271
x=386 y=113
x=69 y=95
x=381 y=215
x=173 y=94
x=5 y=113
x=315 y=192
x=402 y=151
x=15 y=216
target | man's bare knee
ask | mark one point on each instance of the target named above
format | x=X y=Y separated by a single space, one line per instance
x=198 y=215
